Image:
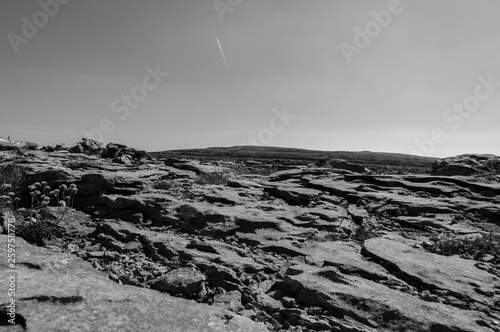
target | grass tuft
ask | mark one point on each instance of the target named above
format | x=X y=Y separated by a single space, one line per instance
x=475 y=248
x=163 y=184
x=240 y=169
x=212 y=178
x=11 y=178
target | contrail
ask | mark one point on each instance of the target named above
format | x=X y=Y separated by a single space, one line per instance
x=222 y=52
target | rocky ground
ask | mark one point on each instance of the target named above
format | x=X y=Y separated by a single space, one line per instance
x=304 y=249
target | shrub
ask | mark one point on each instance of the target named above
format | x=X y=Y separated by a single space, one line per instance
x=364 y=232
x=174 y=188
x=7 y=199
x=239 y=169
x=466 y=247
x=12 y=174
x=163 y=184
x=35 y=232
x=212 y=178
x=11 y=177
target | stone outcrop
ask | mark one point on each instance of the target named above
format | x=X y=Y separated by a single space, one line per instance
x=118 y=152
x=115 y=150
x=305 y=249
x=6 y=145
x=88 y=146
x=60 y=292
x=467 y=164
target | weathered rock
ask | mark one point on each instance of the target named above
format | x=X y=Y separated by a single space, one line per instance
x=222 y=195
x=237 y=183
x=298 y=173
x=239 y=239
x=230 y=301
x=88 y=146
x=198 y=167
x=133 y=247
x=293 y=195
x=221 y=276
x=437 y=222
x=342 y=164
x=267 y=303
x=115 y=150
x=358 y=214
x=347 y=258
x=184 y=280
x=125 y=159
x=467 y=164
x=171 y=161
x=456 y=275
x=376 y=306
x=6 y=145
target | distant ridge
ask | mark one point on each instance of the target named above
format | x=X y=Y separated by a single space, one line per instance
x=365 y=158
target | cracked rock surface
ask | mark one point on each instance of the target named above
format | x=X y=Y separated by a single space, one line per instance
x=61 y=292
x=303 y=249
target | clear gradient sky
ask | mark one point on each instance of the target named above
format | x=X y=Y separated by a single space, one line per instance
x=281 y=54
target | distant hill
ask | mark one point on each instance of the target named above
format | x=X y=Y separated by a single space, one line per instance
x=365 y=158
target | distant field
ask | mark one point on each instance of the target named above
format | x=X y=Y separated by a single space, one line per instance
x=373 y=160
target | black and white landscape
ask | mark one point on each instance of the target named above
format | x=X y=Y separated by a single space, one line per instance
x=249 y=165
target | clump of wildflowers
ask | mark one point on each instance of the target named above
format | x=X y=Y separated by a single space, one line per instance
x=40 y=225
x=42 y=197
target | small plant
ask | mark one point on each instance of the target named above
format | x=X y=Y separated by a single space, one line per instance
x=239 y=169
x=212 y=178
x=174 y=188
x=7 y=199
x=364 y=232
x=467 y=247
x=39 y=222
x=11 y=177
x=163 y=184
x=42 y=197
x=12 y=174
x=34 y=232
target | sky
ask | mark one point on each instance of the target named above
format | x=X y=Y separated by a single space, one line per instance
x=418 y=77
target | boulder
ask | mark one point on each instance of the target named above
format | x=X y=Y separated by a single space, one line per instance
x=115 y=150
x=87 y=146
